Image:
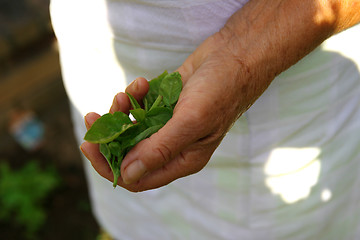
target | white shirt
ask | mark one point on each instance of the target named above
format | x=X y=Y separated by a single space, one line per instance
x=288 y=169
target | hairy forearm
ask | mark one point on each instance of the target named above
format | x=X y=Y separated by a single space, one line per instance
x=267 y=37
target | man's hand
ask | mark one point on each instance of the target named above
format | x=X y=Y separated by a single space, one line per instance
x=210 y=102
x=221 y=79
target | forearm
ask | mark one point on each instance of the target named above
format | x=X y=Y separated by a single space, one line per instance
x=266 y=38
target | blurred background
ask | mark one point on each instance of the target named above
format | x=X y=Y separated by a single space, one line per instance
x=43 y=192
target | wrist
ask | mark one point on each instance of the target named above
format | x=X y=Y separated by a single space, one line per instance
x=269 y=38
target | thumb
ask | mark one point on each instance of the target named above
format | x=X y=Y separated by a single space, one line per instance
x=156 y=151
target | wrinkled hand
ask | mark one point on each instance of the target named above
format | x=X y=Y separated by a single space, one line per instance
x=222 y=78
x=215 y=93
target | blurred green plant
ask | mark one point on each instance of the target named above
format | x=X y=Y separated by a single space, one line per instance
x=22 y=194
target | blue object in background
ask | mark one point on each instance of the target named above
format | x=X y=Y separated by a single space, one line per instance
x=27 y=130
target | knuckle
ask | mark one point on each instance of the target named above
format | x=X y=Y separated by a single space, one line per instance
x=194 y=122
x=163 y=154
x=191 y=166
x=135 y=187
x=199 y=115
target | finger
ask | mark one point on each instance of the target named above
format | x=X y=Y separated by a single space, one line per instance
x=138 y=88
x=121 y=103
x=186 y=163
x=185 y=70
x=90 y=118
x=92 y=153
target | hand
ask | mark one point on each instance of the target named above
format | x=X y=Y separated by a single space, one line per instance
x=211 y=100
x=222 y=78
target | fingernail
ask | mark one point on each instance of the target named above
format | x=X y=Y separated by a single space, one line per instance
x=87 y=125
x=134 y=85
x=133 y=172
x=114 y=105
x=83 y=149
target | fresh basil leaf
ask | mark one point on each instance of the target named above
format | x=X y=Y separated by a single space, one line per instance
x=104 y=149
x=117 y=135
x=158 y=116
x=116 y=169
x=147 y=133
x=170 y=88
x=133 y=101
x=108 y=127
x=156 y=103
x=131 y=132
x=138 y=114
x=153 y=93
x=126 y=139
x=113 y=160
x=141 y=136
x=115 y=148
x=146 y=104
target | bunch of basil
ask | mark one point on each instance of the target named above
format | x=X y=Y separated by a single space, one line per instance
x=116 y=133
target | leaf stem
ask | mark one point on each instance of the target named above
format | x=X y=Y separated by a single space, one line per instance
x=157 y=102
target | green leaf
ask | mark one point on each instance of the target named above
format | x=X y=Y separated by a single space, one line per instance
x=114 y=159
x=170 y=88
x=115 y=148
x=116 y=133
x=121 y=117
x=133 y=101
x=153 y=93
x=138 y=114
x=156 y=103
x=145 y=134
x=158 y=116
x=108 y=127
x=131 y=132
x=116 y=169
x=146 y=104
x=104 y=149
